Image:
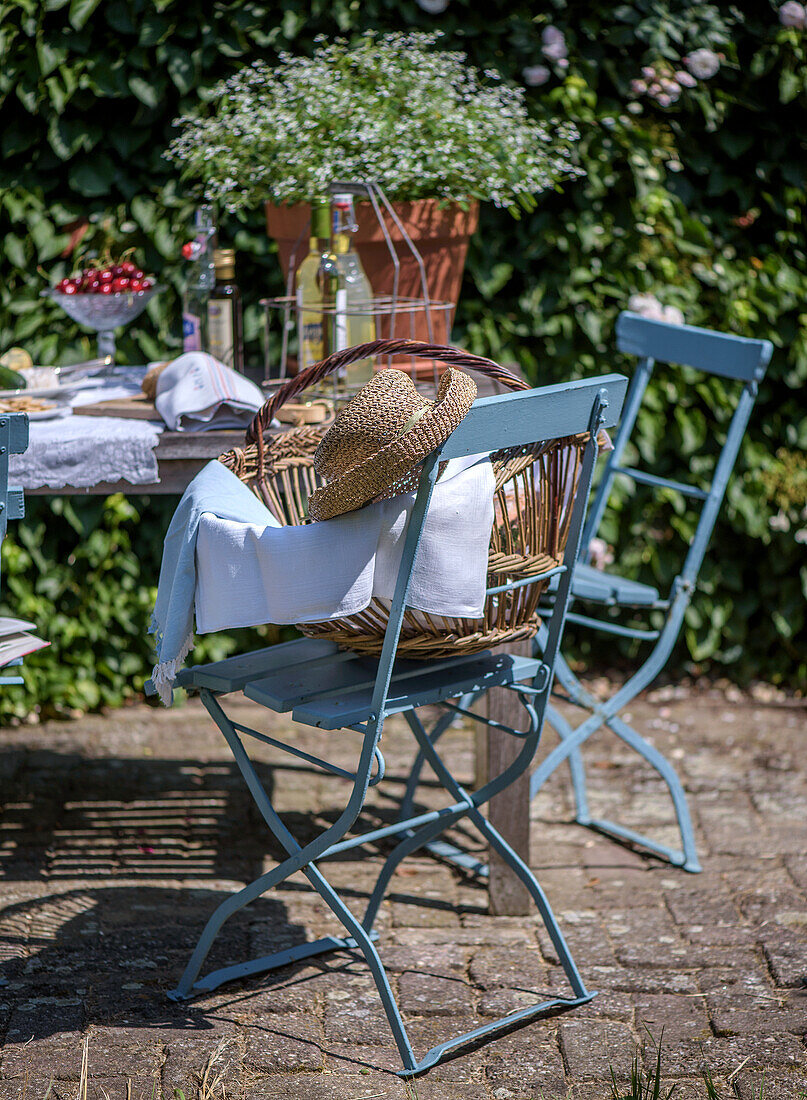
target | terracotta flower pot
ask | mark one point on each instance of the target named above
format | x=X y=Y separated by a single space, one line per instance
x=440 y=234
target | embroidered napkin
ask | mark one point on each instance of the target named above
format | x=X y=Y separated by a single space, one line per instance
x=197 y=393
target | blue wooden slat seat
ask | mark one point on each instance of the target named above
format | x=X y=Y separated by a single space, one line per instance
x=600 y=586
x=341 y=696
x=735 y=359
x=333 y=689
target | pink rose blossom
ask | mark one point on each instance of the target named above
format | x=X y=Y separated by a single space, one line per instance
x=793 y=14
x=703 y=63
x=554 y=44
x=536 y=75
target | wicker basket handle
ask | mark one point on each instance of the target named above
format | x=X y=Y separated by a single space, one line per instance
x=455 y=357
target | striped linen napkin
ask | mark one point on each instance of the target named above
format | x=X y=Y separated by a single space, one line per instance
x=197 y=393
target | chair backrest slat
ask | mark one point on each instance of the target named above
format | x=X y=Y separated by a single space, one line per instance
x=530 y=416
x=713 y=352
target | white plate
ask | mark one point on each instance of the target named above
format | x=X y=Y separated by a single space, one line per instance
x=50 y=414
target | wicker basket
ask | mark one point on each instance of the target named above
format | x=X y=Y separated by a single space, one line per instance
x=534 y=490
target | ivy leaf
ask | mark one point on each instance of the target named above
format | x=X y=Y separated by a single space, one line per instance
x=144 y=91
x=789 y=86
x=92 y=177
x=80 y=12
x=181 y=68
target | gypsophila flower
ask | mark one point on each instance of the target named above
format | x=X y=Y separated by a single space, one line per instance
x=703 y=63
x=793 y=14
x=779 y=522
x=536 y=75
x=389 y=108
x=685 y=79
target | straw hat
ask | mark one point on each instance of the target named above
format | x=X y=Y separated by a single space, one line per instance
x=372 y=449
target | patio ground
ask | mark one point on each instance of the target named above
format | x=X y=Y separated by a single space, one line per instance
x=120 y=833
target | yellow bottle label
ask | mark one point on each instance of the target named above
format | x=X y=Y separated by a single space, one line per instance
x=221 y=330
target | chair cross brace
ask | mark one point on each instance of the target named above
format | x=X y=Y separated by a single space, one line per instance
x=413 y=832
x=317 y=761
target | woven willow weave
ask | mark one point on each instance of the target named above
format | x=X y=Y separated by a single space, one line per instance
x=533 y=502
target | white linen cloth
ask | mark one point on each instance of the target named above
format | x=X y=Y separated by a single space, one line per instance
x=83 y=450
x=227 y=559
x=197 y=393
x=252 y=573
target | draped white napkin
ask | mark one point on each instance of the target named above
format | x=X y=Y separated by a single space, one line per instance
x=197 y=393
x=227 y=560
x=250 y=573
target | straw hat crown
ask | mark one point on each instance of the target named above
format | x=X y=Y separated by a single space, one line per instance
x=380 y=437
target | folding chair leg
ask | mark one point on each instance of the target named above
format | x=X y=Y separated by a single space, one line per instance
x=571 y=740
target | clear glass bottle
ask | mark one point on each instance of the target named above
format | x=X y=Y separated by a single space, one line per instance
x=200 y=282
x=225 y=330
x=359 y=320
x=320 y=292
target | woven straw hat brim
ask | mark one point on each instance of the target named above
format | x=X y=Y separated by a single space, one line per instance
x=379 y=474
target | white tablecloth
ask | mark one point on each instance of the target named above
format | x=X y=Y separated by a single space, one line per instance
x=84 y=450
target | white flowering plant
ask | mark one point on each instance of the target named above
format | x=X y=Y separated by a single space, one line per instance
x=391 y=109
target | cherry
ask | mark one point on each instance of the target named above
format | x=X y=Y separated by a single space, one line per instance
x=146 y=284
x=105 y=288
x=106 y=275
x=137 y=274
x=70 y=288
x=120 y=284
x=128 y=268
x=61 y=286
x=188 y=250
x=135 y=284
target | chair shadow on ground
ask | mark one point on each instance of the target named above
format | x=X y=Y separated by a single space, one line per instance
x=110 y=869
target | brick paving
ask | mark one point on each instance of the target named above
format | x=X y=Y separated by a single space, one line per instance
x=120 y=834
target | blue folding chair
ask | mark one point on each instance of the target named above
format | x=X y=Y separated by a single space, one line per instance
x=730 y=357
x=13 y=441
x=324 y=687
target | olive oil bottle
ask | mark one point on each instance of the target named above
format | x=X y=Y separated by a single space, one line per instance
x=225 y=327
x=320 y=292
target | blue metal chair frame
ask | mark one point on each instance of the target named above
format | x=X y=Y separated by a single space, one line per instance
x=729 y=357
x=13 y=441
x=326 y=688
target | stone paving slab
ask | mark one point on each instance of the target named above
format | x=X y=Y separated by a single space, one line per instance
x=121 y=833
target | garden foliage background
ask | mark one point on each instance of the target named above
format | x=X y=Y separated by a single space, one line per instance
x=701 y=202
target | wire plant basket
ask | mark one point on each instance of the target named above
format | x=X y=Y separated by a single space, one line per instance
x=390 y=317
x=384 y=318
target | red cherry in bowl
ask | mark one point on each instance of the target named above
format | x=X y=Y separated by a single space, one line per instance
x=105 y=288
x=120 y=284
x=106 y=275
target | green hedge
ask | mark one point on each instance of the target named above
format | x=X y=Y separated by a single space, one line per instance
x=701 y=202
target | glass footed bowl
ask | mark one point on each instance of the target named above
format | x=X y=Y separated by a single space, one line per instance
x=103 y=312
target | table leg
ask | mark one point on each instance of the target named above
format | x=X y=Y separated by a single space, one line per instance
x=509 y=812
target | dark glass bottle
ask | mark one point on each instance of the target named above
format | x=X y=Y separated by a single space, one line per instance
x=225 y=327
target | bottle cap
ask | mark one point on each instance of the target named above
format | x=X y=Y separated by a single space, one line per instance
x=224 y=262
